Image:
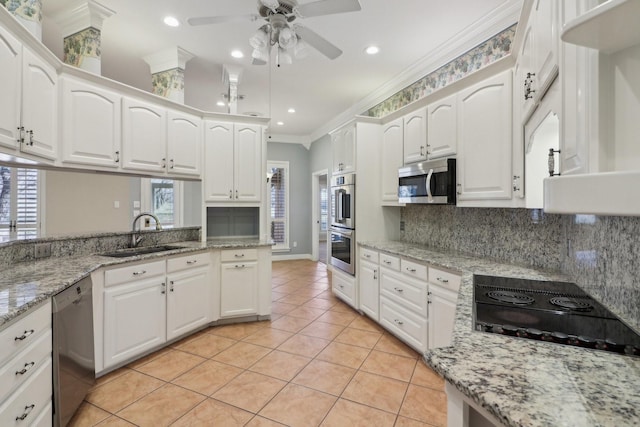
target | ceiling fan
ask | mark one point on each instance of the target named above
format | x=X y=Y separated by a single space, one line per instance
x=280 y=30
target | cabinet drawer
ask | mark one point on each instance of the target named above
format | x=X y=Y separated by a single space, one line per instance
x=414 y=269
x=406 y=325
x=409 y=293
x=45 y=417
x=23 y=332
x=15 y=372
x=344 y=288
x=444 y=279
x=29 y=400
x=233 y=255
x=390 y=261
x=188 y=261
x=369 y=255
x=134 y=272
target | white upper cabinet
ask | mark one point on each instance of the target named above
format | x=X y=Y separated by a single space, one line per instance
x=391 y=160
x=441 y=127
x=343 y=145
x=415 y=136
x=233 y=162
x=184 y=143
x=144 y=136
x=484 y=140
x=91 y=124
x=11 y=77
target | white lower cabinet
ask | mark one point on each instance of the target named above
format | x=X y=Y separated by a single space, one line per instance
x=238 y=288
x=442 y=300
x=404 y=323
x=368 y=284
x=344 y=287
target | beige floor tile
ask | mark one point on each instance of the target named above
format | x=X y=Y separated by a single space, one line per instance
x=324 y=376
x=171 y=365
x=249 y=391
x=281 y=365
x=347 y=413
x=426 y=377
x=122 y=391
x=307 y=312
x=408 y=422
x=161 y=407
x=290 y=324
x=359 y=337
x=307 y=291
x=319 y=303
x=111 y=376
x=268 y=337
x=295 y=299
x=389 y=365
x=426 y=405
x=239 y=330
x=282 y=307
x=364 y=323
x=298 y=406
x=88 y=415
x=214 y=413
x=208 y=377
x=390 y=344
x=259 y=421
x=275 y=295
x=148 y=358
x=242 y=354
x=376 y=391
x=324 y=330
x=338 y=317
x=344 y=354
x=328 y=295
x=206 y=345
x=304 y=345
x=344 y=308
x=114 y=421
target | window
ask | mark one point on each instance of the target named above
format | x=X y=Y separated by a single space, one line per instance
x=19 y=204
x=324 y=207
x=279 y=204
x=162 y=197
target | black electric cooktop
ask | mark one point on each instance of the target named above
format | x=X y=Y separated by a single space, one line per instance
x=558 y=312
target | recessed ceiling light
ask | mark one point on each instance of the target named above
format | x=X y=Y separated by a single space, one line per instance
x=291 y=110
x=280 y=123
x=220 y=104
x=372 y=50
x=237 y=54
x=171 y=21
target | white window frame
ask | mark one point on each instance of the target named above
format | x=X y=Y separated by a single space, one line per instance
x=146 y=202
x=281 y=247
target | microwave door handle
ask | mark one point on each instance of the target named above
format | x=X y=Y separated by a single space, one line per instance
x=428 y=183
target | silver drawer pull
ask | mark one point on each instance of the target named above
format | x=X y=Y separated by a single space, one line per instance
x=386 y=261
x=239 y=255
x=171 y=287
x=27 y=367
x=398 y=322
x=192 y=262
x=411 y=270
x=240 y=266
x=341 y=286
x=440 y=279
x=398 y=289
x=24 y=335
x=27 y=411
x=367 y=256
x=139 y=273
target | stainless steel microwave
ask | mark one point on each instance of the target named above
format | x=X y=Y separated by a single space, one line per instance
x=430 y=182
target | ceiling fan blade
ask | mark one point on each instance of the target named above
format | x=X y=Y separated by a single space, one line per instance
x=318 y=42
x=207 y=20
x=327 y=7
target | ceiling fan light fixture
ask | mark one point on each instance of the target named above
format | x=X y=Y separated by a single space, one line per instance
x=284 y=57
x=261 y=54
x=260 y=39
x=287 y=39
x=301 y=49
x=271 y=4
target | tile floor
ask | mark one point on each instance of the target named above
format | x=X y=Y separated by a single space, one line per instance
x=317 y=362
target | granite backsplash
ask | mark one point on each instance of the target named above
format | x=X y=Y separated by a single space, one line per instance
x=599 y=253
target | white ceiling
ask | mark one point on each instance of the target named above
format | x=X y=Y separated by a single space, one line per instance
x=407 y=32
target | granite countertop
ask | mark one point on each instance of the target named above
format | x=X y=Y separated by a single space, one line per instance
x=25 y=285
x=523 y=382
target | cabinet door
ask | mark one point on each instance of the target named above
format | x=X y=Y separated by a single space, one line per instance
x=144 y=136
x=484 y=140
x=343 y=149
x=337 y=152
x=218 y=160
x=134 y=319
x=415 y=136
x=392 y=141
x=91 y=124
x=238 y=289
x=39 y=106
x=248 y=175
x=442 y=313
x=188 y=301
x=184 y=142
x=441 y=128
x=545 y=24
x=10 y=76
x=369 y=289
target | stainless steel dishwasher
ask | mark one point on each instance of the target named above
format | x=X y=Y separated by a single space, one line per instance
x=73 y=354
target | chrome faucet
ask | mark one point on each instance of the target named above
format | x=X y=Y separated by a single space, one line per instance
x=135 y=238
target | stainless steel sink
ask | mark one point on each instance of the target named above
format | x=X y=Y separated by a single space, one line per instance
x=123 y=253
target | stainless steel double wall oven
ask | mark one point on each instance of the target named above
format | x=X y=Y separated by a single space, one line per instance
x=343 y=222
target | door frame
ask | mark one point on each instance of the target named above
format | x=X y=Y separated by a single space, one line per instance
x=315 y=210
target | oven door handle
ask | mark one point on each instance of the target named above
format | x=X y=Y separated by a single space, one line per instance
x=428 y=184
x=343 y=233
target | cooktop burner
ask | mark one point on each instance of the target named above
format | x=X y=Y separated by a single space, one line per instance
x=558 y=312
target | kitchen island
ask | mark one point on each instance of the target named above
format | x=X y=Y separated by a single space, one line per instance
x=519 y=382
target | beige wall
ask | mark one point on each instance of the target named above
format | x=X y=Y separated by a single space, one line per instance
x=81 y=202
